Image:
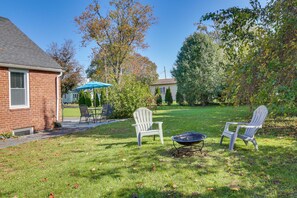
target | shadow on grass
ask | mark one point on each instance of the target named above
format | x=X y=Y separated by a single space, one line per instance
x=171 y=192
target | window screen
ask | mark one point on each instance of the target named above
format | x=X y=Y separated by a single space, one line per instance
x=18 y=88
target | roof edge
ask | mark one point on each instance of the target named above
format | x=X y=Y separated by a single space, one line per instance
x=9 y=65
x=3 y=18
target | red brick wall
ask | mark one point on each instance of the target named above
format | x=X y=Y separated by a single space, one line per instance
x=42 y=111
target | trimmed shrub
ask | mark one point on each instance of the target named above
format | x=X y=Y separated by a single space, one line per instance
x=158 y=96
x=103 y=98
x=88 y=99
x=128 y=96
x=168 y=96
x=96 y=101
x=81 y=98
x=180 y=98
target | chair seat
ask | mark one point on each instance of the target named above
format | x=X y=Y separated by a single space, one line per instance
x=228 y=133
x=149 y=132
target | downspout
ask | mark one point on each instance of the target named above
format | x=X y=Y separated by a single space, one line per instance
x=58 y=95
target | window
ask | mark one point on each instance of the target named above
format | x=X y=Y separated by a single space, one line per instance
x=19 y=89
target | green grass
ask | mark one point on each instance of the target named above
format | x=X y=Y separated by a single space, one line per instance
x=106 y=161
x=71 y=112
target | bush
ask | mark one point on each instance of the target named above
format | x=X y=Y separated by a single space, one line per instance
x=180 y=98
x=81 y=98
x=96 y=102
x=158 y=96
x=128 y=96
x=168 y=96
x=88 y=99
x=103 y=98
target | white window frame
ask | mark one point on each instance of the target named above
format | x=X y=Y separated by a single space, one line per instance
x=26 y=84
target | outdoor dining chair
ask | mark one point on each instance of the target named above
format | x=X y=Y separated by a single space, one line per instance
x=256 y=123
x=84 y=112
x=144 y=125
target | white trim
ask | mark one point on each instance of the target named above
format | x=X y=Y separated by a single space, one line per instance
x=27 y=84
x=9 y=65
x=23 y=129
x=58 y=96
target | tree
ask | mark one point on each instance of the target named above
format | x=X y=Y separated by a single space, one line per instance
x=261 y=45
x=103 y=98
x=64 y=55
x=141 y=67
x=88 y=99
x=81 y=98
x=128 y=96
x=168 y=96
x=158 y=96
x=180 y=98
x=199 y=69
x=96 y=101
x=118 y=33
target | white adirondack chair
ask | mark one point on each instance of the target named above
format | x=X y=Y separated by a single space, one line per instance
x=144 y=123
x=258 y=119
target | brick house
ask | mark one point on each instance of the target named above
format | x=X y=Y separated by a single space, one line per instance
x=29 y=83
x=163 y=84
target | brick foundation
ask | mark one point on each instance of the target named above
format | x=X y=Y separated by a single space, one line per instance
x=42 y=111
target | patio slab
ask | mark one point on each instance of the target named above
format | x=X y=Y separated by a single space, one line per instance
x=69 y=125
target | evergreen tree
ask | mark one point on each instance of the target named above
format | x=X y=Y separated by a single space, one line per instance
x=103 y=98
x=158 y=96
x=96 y=102
x=168 y=96
x=81 y=98
x=88 y=99
x=199 y=69
x=180 y=98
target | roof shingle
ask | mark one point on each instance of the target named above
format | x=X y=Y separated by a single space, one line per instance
x=17 y=49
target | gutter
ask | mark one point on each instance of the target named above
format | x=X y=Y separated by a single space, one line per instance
x=16 y=66
x=58 y=95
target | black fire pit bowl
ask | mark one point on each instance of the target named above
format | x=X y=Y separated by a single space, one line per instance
x=189 y=139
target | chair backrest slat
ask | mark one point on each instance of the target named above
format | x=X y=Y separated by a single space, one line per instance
x=143 y=117
x=258 y=119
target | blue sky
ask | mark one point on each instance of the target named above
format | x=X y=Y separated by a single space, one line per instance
x=46 y=21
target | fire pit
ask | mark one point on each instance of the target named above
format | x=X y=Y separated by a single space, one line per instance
x=189 y=139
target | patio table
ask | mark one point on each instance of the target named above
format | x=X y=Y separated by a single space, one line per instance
x=95 y=110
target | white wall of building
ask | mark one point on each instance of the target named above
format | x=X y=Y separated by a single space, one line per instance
x=173 y=89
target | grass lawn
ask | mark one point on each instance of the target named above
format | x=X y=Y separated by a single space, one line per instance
x=71 y=112
x=106 y=161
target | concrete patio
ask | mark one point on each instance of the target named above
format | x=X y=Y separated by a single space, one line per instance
x=69 y=125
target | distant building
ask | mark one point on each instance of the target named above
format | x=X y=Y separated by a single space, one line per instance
x=163 y=84
x=70 y=97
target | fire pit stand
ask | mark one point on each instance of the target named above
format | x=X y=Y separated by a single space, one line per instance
x=189 y=139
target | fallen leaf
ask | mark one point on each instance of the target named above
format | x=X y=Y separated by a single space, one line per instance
x=44 y=179
x=76 y=186
x=93 y=169
x=124 y=160
x=210 y=189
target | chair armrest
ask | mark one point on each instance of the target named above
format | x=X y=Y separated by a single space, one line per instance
x=157 y=122
x=135 y=125
x=241 y=123
x=250 y=126
x=234 y=123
